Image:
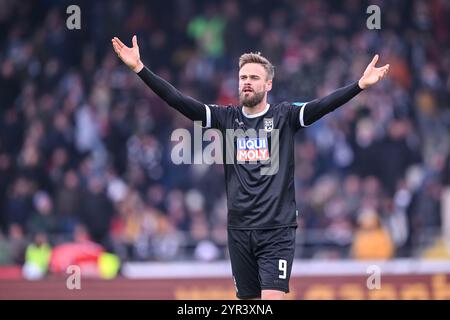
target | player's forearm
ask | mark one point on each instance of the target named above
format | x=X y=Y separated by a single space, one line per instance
x=188 y=106
x=317 y=108
x=161 y=87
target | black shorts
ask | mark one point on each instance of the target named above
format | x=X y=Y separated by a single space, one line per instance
x=261 y=260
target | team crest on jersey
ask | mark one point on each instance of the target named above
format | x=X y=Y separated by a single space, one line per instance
x=268 y=124
x=252 y=149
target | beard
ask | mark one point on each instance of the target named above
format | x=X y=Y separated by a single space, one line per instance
x=251 y=100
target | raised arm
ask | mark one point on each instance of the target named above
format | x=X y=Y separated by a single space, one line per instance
x=188 y=106
x=316 y=109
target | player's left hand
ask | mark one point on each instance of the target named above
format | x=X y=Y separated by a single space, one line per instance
x=372 y=74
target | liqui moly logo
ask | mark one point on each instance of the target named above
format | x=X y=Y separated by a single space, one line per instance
x=252 y=149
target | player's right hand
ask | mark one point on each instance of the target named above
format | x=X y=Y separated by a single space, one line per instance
x=130 y=56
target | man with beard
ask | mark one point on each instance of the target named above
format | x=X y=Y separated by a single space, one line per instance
x=261 y=204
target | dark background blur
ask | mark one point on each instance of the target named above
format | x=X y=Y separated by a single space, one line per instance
x=85 y=145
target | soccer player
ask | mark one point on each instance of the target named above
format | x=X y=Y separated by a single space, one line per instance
x=261 y=207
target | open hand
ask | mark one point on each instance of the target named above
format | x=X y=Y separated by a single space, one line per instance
x=372 y=74
x=130 y=56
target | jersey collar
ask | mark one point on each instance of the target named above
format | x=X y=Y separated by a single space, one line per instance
x=256 y=114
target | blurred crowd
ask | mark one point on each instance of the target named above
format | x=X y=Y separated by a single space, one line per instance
x=85 y=145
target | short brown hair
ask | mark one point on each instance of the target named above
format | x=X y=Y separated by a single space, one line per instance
x=257 y=58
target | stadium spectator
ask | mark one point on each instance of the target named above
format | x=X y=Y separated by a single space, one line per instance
x=37 y=257
x=371 y=240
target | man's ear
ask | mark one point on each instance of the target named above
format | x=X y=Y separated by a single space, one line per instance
x=269 y=85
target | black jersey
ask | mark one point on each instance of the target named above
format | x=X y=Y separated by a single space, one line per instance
x=259 y=170
x=259 y=156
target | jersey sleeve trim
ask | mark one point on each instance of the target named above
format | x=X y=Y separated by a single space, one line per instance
x=208 y=117
x=300 y=116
